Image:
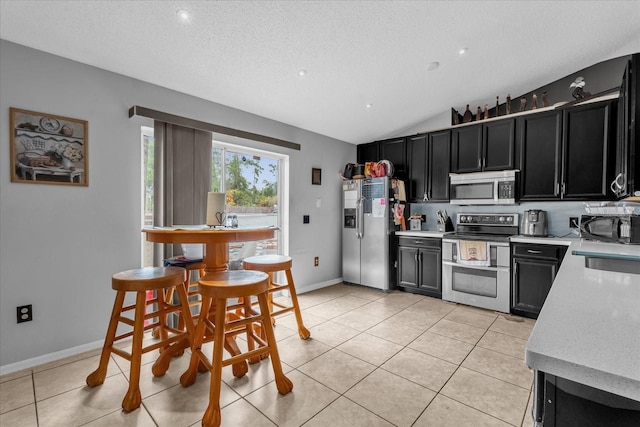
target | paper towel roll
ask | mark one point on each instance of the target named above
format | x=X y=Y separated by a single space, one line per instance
x=216 y=208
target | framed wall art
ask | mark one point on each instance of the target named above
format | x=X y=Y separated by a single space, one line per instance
x=316 y=176
x=48 y=149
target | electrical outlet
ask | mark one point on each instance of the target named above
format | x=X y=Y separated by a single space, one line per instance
x=24 y=313
x=573 y=221
x=316 y=261
x=305 y=219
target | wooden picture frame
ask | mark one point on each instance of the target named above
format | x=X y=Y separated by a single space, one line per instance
x=48 y=149
x=316 y=176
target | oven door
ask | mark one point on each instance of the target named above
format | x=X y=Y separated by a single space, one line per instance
x=478 y=286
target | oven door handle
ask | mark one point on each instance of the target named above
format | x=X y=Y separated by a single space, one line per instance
x=475 y=267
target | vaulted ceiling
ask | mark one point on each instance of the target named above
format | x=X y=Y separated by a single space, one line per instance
x=367 y=63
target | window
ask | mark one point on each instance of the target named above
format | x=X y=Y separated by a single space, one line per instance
x=147 y=192
x=252 y=181
x=256 y=186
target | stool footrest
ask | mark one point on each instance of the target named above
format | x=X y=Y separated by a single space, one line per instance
x=244 y=356
x=285 y=309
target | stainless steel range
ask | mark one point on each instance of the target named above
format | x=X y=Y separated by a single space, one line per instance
x=476 y=267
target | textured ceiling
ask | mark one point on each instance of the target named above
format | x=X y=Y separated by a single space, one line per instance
x=247 y=54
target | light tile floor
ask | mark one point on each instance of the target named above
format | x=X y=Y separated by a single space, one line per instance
x=374 y=359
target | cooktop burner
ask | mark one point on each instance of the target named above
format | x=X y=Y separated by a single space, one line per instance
x=486 y=226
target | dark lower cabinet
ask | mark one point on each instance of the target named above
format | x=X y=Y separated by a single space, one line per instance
x=565 y=403
x=420 y=265
x=534 y=269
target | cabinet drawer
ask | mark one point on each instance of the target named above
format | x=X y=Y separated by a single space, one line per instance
x=538 y=251
x=419 y=242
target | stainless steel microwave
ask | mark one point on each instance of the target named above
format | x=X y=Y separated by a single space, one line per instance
x=483 y=188
x=611 y=228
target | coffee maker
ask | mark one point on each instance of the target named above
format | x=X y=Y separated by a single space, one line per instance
x=534 y=223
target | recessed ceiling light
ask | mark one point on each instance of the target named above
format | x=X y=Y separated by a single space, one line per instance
x=463 y=51
x=183 y=14
x=302 y=73
x=433 y=66
x=368 y=106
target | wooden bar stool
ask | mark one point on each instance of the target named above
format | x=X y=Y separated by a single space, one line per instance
x=161 y=280
x=271 y=264
x=215 y=290
x=192 y=287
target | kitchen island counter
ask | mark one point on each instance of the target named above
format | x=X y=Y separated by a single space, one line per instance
x=589 y=328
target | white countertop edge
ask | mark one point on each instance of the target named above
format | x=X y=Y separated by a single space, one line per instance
x=589 y=328
x=421 y=233
x=564 y=241
x=616 y=384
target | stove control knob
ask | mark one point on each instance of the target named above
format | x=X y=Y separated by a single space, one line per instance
x=463 y=218
x=501 y=219
x=509 y=219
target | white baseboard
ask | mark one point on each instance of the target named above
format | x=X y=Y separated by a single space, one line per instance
x=50 y=357
x=315 y=286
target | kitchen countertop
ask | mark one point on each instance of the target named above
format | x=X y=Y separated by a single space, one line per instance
x=550 y=240
x=425 y=233
x=589 y=328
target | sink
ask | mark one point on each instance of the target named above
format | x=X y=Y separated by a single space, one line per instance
x=612 y=264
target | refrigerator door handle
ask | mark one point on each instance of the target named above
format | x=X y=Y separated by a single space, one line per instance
x=359 y=219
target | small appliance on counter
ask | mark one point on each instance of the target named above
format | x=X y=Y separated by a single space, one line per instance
x=534 y=223
x=415 y=222
x=611 y=228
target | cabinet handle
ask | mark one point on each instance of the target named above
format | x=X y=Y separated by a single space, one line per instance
x=533 y=251
x=563 y=188
x=479 y=163
x=425 y=198
x=557 y=189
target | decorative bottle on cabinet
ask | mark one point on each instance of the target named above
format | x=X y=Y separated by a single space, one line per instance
x=467 y=117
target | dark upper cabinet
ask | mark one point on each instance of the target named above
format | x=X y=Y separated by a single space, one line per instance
x=429 y=158
x=484 y=147
x=588 y=151
x=393 y=150
x=368 y=152
x=539 y=152
x=439 y=153
x=417 y=156
x=466 y=149
x=499 y=142
x=628 y=136
x=567 y=154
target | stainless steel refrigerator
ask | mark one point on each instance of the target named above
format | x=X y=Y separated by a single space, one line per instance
x=367 y=231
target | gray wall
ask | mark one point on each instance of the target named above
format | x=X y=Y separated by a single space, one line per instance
x=60 y=245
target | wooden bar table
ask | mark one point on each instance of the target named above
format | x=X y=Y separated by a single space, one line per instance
x=216 y=240
x=216 y=258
